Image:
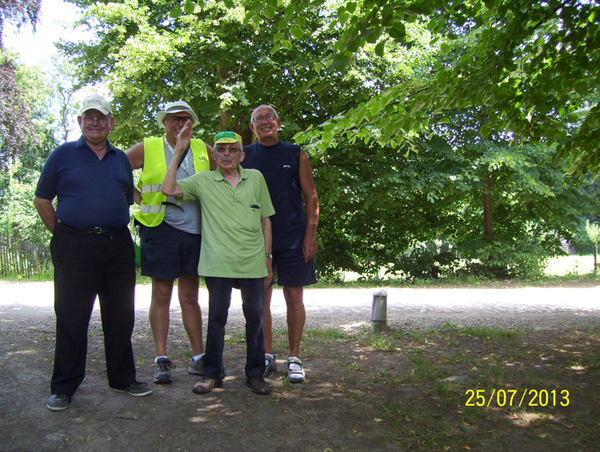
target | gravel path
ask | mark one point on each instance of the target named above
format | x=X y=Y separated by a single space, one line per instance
x=407 y=308
x=334 y=410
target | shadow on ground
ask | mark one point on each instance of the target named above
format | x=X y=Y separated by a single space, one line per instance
x=405 y=389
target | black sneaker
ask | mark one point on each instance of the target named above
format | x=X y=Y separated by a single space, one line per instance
x=58 y=402
x=137 y=389
x=162 y=371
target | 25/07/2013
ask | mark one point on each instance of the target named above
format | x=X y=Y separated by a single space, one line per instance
x=510 y=397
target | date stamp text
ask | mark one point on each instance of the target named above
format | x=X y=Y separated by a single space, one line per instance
x=517 y=397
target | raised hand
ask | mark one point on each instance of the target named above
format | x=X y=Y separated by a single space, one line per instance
x=184 y=137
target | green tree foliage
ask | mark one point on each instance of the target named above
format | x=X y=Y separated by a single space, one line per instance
x=37 y=96
x=533 y=205
x=64 y=81
x=532 y=65
x=388 y=207
x=21 y=170
x=522 y=200
x=211 y=58
x=18 y=12
x=14 y=122
x=19 y=217
x=593 y=233
x=421 y=118
x=580 y=241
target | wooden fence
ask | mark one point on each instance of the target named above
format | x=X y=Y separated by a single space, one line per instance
x=19 y=258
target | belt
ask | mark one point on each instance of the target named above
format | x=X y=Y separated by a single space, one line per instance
x=97 y=230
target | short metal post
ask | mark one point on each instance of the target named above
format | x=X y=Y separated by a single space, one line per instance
x=379 y=310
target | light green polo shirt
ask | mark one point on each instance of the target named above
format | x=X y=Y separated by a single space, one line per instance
x=233 y=245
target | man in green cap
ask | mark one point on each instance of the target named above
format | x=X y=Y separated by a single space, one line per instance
x=236 y=246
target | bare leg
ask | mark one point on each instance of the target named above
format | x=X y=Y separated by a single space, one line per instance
x=296 y=316
x=159 y=313
x=267 y=320
x=190 y=311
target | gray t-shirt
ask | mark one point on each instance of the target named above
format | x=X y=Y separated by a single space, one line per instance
x=186 y=217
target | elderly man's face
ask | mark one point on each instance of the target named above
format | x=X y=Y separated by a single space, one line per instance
x=264 y=123
x=174 y=122
x=95 y=126
x=229 y=155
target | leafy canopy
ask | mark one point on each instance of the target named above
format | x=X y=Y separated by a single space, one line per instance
x=405 y=108
x=533 y=65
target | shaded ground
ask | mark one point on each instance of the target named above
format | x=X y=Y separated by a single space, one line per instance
x=406 y=389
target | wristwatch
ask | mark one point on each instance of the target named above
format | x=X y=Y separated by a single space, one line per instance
x=269 y=255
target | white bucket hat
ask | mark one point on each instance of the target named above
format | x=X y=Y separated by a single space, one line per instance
x=176 y=107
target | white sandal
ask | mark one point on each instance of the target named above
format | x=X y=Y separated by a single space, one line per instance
x=270 y=366
x=295 y=370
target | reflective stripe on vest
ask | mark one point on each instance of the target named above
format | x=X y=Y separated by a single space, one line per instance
x=152 y=188
x=152 y=209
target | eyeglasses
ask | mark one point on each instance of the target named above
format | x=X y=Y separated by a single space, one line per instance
x=233 y=149
x=269 y=118
x=89 y=120
x=183 y=119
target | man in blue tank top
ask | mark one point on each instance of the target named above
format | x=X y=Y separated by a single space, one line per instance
x=294 y=227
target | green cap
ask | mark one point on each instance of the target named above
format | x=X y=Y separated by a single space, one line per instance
x=228 y=137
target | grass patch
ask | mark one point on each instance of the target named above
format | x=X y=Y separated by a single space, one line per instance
x=380 y=342
x=331 y=334
x=235 y=337
x=486 y=333
x=417 y=392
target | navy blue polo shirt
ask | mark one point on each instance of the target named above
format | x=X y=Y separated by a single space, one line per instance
x=90 y=192
x=280 y=165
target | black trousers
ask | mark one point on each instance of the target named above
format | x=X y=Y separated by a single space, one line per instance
x=219 y=300
x=86 y=266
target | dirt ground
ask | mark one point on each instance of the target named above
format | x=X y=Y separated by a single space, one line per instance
x=406 y=389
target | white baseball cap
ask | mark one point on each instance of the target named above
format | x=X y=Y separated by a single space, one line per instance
x=96 y=102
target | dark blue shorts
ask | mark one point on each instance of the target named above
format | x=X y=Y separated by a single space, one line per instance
x=168 y=253
x=290 y=270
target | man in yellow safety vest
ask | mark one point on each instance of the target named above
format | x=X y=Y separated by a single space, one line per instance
x=170 y=234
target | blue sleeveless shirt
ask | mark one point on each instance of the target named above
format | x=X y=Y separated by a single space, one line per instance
x=280 y=166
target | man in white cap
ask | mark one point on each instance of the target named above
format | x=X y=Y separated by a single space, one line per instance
x=170 y=234
x=92 y=252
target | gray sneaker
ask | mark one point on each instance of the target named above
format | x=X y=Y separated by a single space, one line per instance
x=58 y=402
x=196 y=367
x=270 y=366
x=162 y=371
x=137 y=389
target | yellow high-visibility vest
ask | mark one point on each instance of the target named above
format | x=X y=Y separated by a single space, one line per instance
x=152 y=208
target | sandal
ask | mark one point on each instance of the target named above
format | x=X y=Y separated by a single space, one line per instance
x=270 y=366
x=295 y=370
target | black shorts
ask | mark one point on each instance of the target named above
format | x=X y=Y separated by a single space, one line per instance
x=168 y=253
x=290 y=270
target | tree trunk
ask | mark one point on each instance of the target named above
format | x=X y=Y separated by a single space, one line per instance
x=595 y=257
x=487 y=207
